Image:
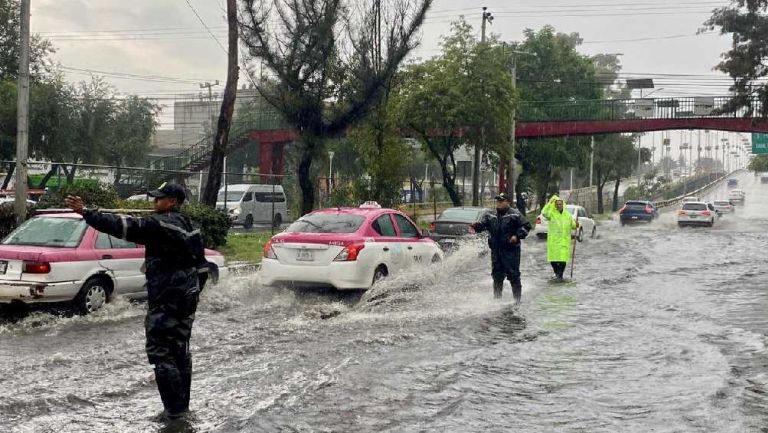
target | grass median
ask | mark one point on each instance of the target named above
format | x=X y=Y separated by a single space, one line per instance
x=245 y=247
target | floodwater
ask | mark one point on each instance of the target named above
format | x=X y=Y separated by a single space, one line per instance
x=664 y=330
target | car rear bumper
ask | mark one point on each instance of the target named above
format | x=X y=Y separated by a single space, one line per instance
x=636 y=218
x=341 y=275
x=694 y=221
x=34 y=292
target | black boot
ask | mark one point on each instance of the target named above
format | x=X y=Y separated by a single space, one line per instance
x=517 y=291
x=497 y=287
x=171 y=388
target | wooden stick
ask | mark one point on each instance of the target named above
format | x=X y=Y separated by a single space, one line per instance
x=575 y=241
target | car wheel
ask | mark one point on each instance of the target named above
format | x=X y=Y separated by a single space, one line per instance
x=380 y=273
x=248 y=224
x=277 y=221
x=93 y=295
x=436 y=259
x=594 y=233
x=580 y=235
x=680 y=225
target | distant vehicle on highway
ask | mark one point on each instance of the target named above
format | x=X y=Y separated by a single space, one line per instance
x=54 y=258
x=455 y=224
x=247 y=204
x=690 y=199
x=696 y=213
x=637 y=211
x=736 y=196
x=724 y=207
x=733 y=182
x=346 y=248
x=588 y=224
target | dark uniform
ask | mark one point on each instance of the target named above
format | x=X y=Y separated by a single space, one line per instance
x=175 y=266
x=505 y=256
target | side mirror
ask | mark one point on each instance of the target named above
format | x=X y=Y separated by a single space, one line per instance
x=425 y=233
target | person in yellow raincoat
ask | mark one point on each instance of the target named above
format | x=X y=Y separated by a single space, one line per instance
x=559 y=227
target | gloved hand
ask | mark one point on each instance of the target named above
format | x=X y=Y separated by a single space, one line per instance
x=202 y=278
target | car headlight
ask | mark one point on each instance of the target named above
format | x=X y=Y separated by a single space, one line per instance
x=235 y=211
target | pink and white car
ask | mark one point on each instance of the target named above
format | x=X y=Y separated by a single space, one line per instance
x=346 y=248
x=58 y=258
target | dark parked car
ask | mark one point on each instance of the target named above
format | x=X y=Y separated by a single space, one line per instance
x=638 y=211
x=733 y=182
x=454 y=224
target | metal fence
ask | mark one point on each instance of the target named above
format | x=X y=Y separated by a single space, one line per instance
x=621 y=109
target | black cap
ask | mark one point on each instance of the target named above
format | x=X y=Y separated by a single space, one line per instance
x=502 y=197
x=169 y=190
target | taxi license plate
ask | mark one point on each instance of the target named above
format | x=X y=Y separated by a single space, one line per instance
x=634 y=217
x=3 y=266
x=694 y=216
x=305 y=256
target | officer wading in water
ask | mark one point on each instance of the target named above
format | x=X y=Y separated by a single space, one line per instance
x=176 y=272
x=506 y=229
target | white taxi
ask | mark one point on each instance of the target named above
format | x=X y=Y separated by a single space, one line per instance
x=56 y=257
x=346 y=248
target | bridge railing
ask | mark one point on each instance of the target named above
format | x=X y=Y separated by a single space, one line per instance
x=645 y=108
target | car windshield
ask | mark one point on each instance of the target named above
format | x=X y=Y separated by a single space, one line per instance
x=636 y=205
x=572 y=209
x=48 y=232
x=327 y=223
x=694 y=206
x=230 y=196
x=460 y=215
x=722 y=203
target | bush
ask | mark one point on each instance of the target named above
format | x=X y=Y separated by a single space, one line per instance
x=214 y=224
x=100 y=195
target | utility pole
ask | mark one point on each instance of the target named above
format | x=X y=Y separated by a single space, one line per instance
x=591 y=160
x=22 y=136
x=209 y=86
x=487 y=18
x=511 y=181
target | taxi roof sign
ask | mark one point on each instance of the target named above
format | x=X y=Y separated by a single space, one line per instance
x=370 y=205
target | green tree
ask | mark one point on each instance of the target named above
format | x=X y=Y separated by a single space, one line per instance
x=330 y=64
x=447 y=102
x=758 y=163
x=556 y=73
x=10 y=37
x=747 y=22
x=132 y=125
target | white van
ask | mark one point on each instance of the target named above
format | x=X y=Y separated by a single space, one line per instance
x=247 y=204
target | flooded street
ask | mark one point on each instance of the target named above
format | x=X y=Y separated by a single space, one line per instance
x=665 y=330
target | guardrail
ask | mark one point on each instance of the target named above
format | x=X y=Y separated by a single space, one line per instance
x=671 y=202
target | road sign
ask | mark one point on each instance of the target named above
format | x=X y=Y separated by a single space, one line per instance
x=759 y=144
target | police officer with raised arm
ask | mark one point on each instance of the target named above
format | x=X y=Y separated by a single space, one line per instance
x=175 y=272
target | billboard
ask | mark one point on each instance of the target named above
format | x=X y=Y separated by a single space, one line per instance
x=759 y=143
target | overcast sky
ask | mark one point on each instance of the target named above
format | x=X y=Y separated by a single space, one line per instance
x=161 y=48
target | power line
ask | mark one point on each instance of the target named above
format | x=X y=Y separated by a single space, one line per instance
x=206 y=27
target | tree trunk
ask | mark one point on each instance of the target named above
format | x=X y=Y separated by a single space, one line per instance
x=450 y=184
x=306 y=184
x=70 y=174
x=7 y=181
x=118 y=175
x=219 y=150
x=616 y=194
x=54 y=169
x=600 y=205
